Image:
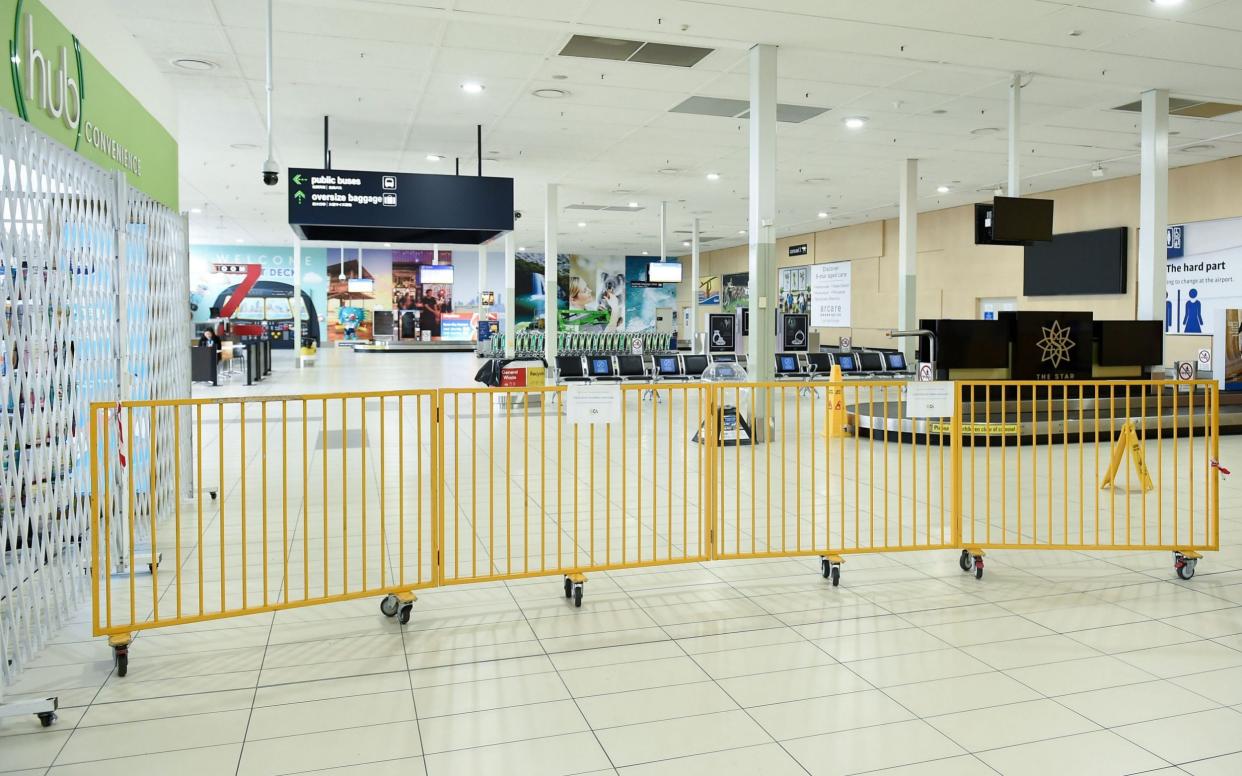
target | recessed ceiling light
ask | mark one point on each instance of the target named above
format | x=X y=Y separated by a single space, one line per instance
x=244 y=146
x=985 y=131
x=855 y=122
x=942 y=189
x=196 y=210
x=741 y=231
x=713 y=176
x=1199 y=147
x=1167 y=2
x=582 y=224
x=669 y=171
x=433 y=157
x=522 y=248
x=940 y=111
x=822 y=214
x=633 y=204
x=646 y=253
x=1074 y=33
x=560 y=77
x=472 y=87
x=685 y=243
x=192 y=63
x=550 y=94
x=815 y=181
x=387 y=245
x=241 y=239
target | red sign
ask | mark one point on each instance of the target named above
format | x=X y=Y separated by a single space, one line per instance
x=513 y=377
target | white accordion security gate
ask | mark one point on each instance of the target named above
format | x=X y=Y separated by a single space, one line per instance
x=94 y=283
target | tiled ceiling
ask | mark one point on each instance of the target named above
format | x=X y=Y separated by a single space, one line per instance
x=931 y=77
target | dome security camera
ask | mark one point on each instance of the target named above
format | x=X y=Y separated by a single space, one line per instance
x=271 y=173
x=517 y=214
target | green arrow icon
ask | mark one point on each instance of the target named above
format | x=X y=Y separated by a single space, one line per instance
x=298 y=179
x=299 y=196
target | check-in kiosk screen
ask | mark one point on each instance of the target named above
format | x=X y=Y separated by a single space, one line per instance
x=668 y=365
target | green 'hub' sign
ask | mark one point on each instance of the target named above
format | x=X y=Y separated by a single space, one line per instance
x=60 y=88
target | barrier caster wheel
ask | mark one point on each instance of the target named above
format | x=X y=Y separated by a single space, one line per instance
x=1185 y=567
x=836 y=576
x=825 y=567
x=978 y=568
x=403 y=616
x=577 y=595
x=46 y=718
x=965 y=561
x=569 y=588
x=389 y=606
x=214 y=494
x=122 y=664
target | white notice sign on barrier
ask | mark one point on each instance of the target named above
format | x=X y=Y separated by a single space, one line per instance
x=929 y=400
x=593 y=404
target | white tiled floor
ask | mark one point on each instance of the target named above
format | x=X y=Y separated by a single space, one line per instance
x=1062 y=662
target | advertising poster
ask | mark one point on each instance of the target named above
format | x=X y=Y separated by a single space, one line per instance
x=531 y=289
x=709 y=290
x=721 y=337
x=268 y=301
x=795 y=332
x=1204 y=274
x=793 y=294
x=348 y=307
x=596 y=298
x=643 y=299
x=424 y=304
x=831 y=289
x=1227 y=339
x=735 y=292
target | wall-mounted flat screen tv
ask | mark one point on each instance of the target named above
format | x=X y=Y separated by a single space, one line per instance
x=1077 y=263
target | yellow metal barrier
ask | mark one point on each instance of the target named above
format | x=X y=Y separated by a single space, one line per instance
x=301 y=500
x=1096 y=465
x=529 y=493
x=804 y=488
x=295 y=501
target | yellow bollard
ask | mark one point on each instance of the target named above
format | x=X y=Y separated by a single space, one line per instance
x=836 y=403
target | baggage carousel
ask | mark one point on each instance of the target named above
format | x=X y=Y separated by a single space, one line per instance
x=435 y=346
x=1063 y=419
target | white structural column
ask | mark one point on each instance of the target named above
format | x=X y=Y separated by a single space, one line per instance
x=761 y=342
x=907 y=255
x=1153 y=205
x=295 y=304
x=1015 y=123
x=550 y=225
x=510 y=295
x=693 y=327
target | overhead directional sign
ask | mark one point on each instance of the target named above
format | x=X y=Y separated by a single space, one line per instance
x=369 y=206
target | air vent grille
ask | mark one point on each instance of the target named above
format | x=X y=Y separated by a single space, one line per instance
x=1195 y=109
x=622 y=50
x=724 y=107
x=605 y=208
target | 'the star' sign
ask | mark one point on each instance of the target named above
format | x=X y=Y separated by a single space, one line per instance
x=1056 y=344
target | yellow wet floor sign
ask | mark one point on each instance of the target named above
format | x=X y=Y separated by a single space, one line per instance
x=1128 y=443
x=836 y=403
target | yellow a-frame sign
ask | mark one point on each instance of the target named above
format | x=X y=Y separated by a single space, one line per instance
x=1127 y=443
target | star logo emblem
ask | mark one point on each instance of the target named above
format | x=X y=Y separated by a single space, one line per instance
x=1056 y=344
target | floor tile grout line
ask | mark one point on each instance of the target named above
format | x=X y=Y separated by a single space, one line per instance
x=1076 y=713
x=883 y=692
x=569 y=692
x=726 y=693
